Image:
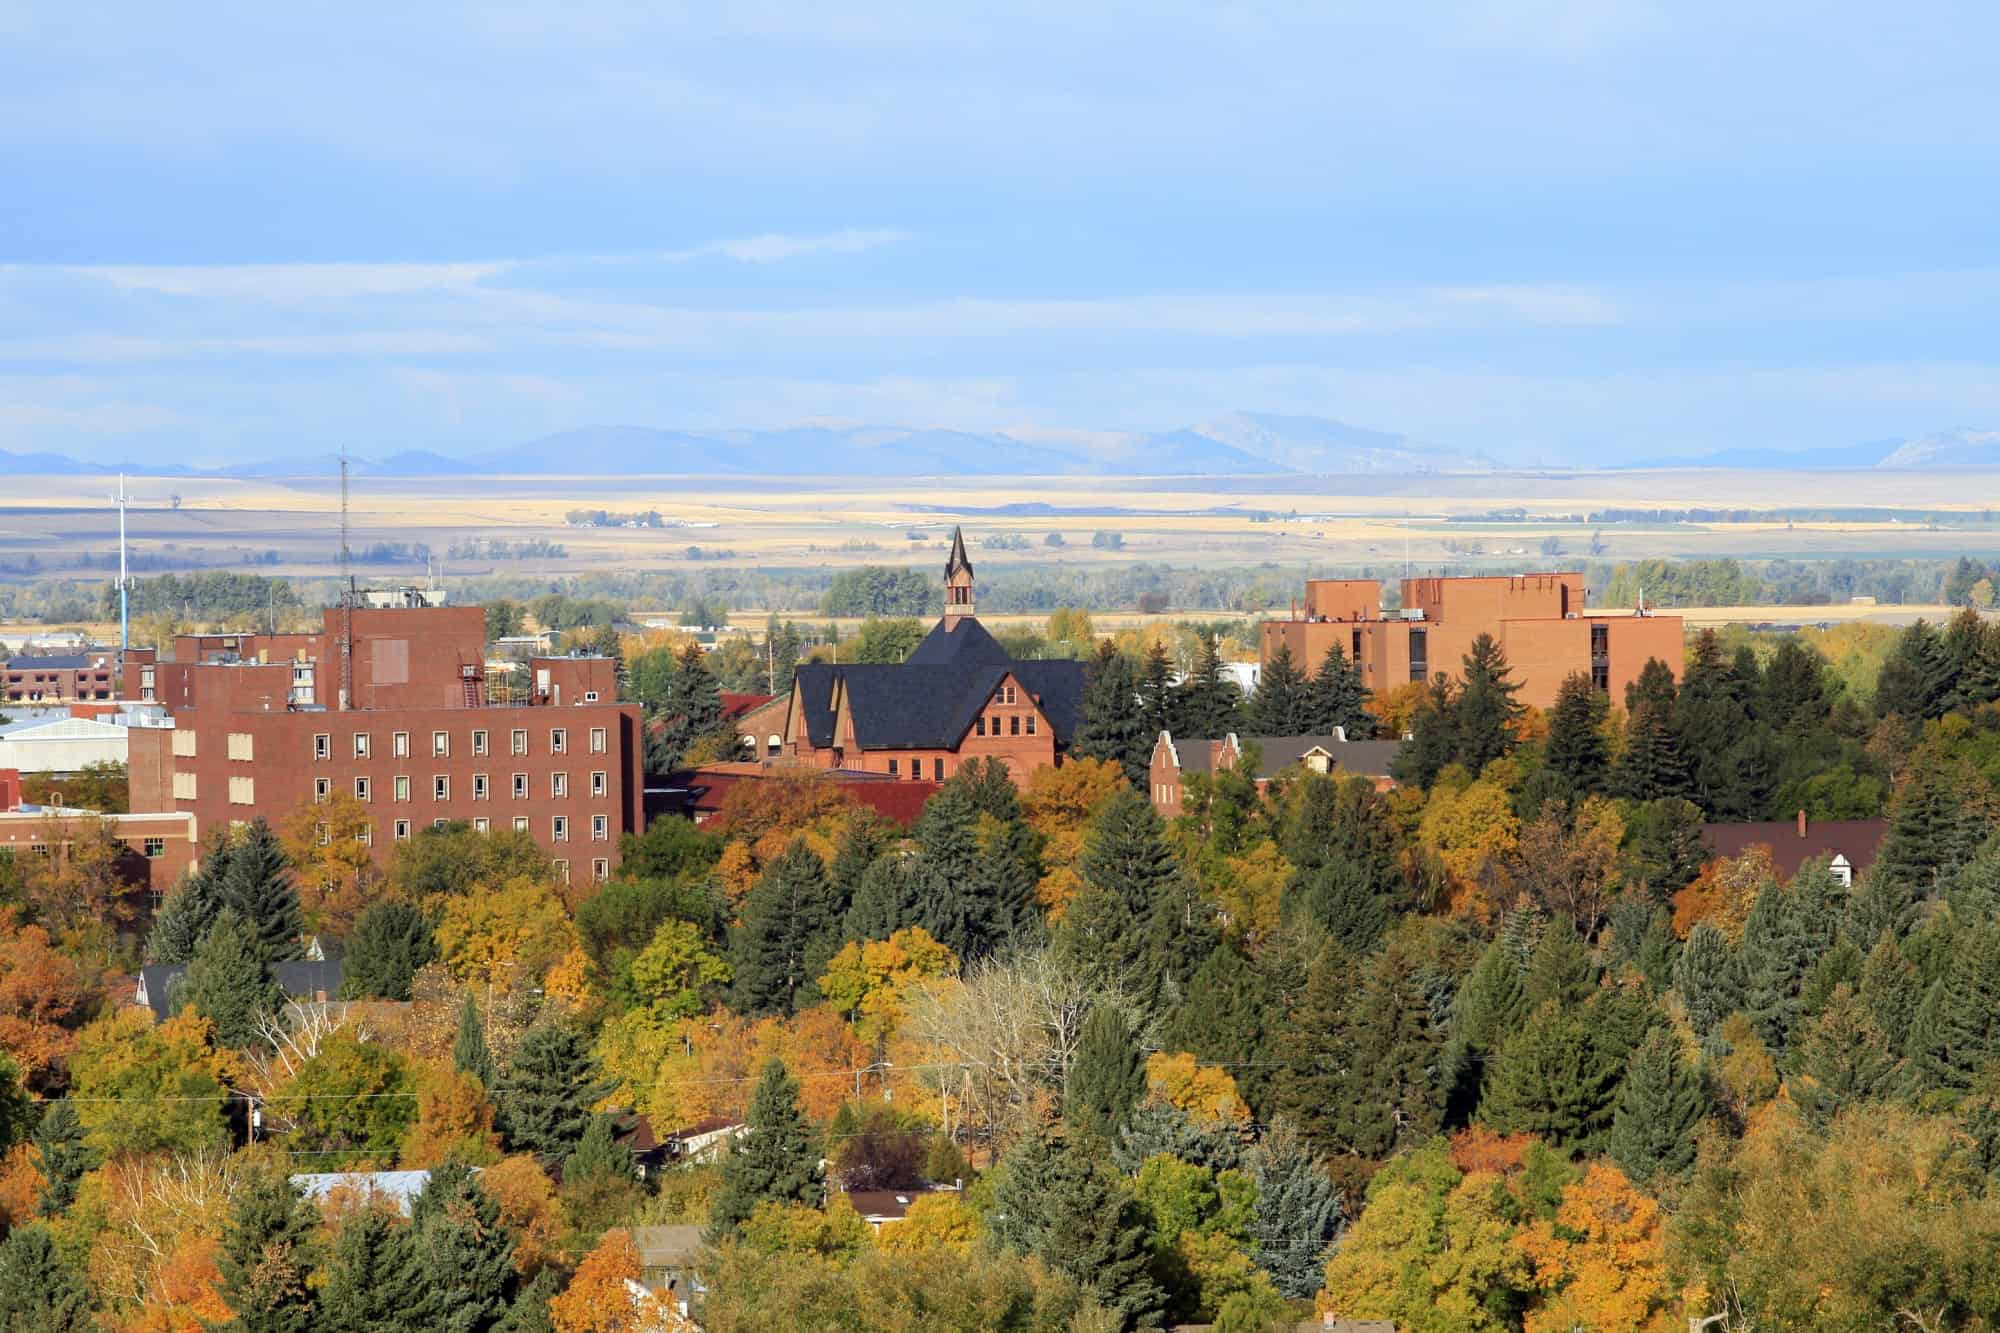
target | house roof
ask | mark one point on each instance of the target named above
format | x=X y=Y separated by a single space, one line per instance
x=736 y=705
x=959 y=641
x=930 y=706
x=66 y=662
x=885 y=1205
x=703 y=790
x=1859 y=840
x=666 y=1247
x=1369 y=759
x=65 y=729
x=299 y=978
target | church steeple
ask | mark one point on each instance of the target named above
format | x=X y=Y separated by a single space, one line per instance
x=957 y=581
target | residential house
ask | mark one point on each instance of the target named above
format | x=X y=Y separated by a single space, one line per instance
x=1850 y=845
x=1174 y=759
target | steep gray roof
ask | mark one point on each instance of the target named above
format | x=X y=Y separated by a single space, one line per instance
x=927 y=705
x=963 y=642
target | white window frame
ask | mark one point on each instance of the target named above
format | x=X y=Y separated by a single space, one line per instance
x=479 y=742
x=558 y=786
x=558 y=828
x=481 y=789
x=520 y=740
x=360 y=745
x=399 y=745
x=441 y=787
x=558 y=740
x=364 y=790
x=322 y=745
x=440 y=745
x=597 y=740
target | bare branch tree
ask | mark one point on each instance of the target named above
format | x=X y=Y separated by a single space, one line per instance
x=291 y=1037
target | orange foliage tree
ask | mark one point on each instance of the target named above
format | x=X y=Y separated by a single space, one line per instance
x=530 y=1209
x=1601 y=1260
x=1059 y=804
x=599 y=1298
x=44 y=995
x=454 y=1119
x=1723 y=893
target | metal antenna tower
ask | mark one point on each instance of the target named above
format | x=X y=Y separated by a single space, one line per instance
x=124 y=604
x=346 y=596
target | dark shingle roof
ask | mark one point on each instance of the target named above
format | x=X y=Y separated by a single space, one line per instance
x=963 y=642
x=74 y=662
x=1859 y=840
x=301 y=978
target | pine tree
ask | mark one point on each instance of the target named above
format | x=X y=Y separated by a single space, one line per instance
x=267 y=1256
x=889 y=897
x=1561 y=970
x=1577 y=751
x=1107 y=1077
x=1433 y=739
x=690 y=710
x=1709 y=978
x=1778 y=951
x=530 y=1311
x=1488 y=1009
x=464 y=1254
x=1056 y=1203
x=1223 y=1019
x=39 y=1291
x=469 y=1051
x=1713 y=721
x=1487 y=711
x=189 y=911
x=391 y=941
x=1208 y=703
x=372 y=1279
x=1282 y=705
x=1890 y=991
x=975 y=899
x=776 y=1162
x=1113 y=726
x=862 y=843
x=1128 y=871
x=1844 y=1058
x=1299 y=1213
x=1936 y=823
x=1158 y=702
x=1916 y=680
x=1553 y=1079
x=1336 y=697
x=61 y=1155
x=1795 y=688
x=229 y=982
x=258 y=885
x=1660 y=1105
x=1664 y=850
x=787 y=917
x=1358 y=1065
x=1945 y=1043
x=1972 y=662
x=545 y=1100
x=599 y=1154
x=1652 y=767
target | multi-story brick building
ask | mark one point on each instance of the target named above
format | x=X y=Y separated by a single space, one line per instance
x=959 y=696
x=1538 y=620
x=60 y=679
x=389 y=706
x=158 y=847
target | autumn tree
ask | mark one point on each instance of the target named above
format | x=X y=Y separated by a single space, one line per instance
x=599 y=1298
x=45 y=995
x=334 y=868
x=125 y=1061
x=1600 y=1262
x=871 y=982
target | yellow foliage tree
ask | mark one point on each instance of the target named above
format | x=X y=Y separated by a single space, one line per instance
x=454 y=1119
x=1207 y=1094
x=1724 y=892
x=1601 y=1261
x=1059 y=803
x=933 y=1222
x=530 y=1209
x=737 y=869
x=600 y=1297
x=1468 y=829
x=483 y=937
x=333 y=869
x=1249 y=890
x=869 y=981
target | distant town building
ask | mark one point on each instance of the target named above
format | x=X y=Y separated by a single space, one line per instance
x=60 y=679
x=1174 y=759
x=959 y=696
x=1538 y=620
x=71 y=740
x=390 y=706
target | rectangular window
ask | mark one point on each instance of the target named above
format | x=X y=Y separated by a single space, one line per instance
x=520 y=740
x=559 y=828
x=1355 y=656
x=916 y=768
x=1014 y=725
x=558 y=740
x=365 y=835
x=322 y=745
x=322 y=834
x=399 y=745
x=937 y=770
x=590 y=696
x=184 y=787
x=1420 y=651
x=895 y=771
x=183 y=744
x=479 y=792
x=597 y=740
x=980 y=725
x=402 y=787
x=156 y=848
x=599 y=783
x=360 y=745
x=600 y=828
x=482 y=825
x=322 y=788
x=440 y=744
x=439 y=822
x=562 y=871
x=600 y=869
x=402 y=830
x=440 y=788
x=520 y=786
x=478 y=743
x=520 y=823
x=1031 y=724
x=243 y=791
x=364 y=790
x=558 y=786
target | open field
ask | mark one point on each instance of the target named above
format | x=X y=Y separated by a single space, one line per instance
x=64 y=525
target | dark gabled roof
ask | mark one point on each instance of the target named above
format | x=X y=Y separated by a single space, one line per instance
x=930 y=706
x=959 y=641
x=301 y=978
x=1859 y=840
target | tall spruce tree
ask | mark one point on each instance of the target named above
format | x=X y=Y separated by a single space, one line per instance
x=1298 y=1215
x=1062 y=1206
x=1109 y=933
x=1936 y=822
x=1660 y=1105
x=1915 y=682
x=1336 y=697
x=1433 y=739
x=39 y=1290
x=1282 y=705
x=1577 y=751
x=1844 y=1058
x=862 y=842
x=1891 y=988
x=1708 y=977
x=267 y=1257
x=691 y=710
x=1553 y=1079
x=229 y=982
x=776 y=1162
x=889 y=897
x=1487 y=710
x=599 y=1155
x=1712 y=719
x=1208 y=702
x=1107 y=1077
x=188 y=912
x=1778 y=951
x=1560 y=971
x=788 y=917
x=1113 y=726
x=464 y=1253
x=1652 y=767
x=1358 y=1065
x=61 y=1156
x=1488 y=1009
x=391 y=941
x=1795 y=693
x=372 y=1281
x=1224 y=1019
x=469 y=1052
x=545 y=1099
x=1159 y=705
x=258 y=885
x=975 y=899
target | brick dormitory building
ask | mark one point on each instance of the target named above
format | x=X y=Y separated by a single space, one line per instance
x=391 y=707
x=1538 y=620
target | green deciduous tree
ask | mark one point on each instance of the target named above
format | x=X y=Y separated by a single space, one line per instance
x=776 y=1162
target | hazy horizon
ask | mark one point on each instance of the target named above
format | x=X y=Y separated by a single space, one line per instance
x=1551 y=233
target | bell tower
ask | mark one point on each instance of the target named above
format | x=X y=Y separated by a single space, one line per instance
x=957 y=582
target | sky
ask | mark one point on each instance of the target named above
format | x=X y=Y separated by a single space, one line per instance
x=1556 y=231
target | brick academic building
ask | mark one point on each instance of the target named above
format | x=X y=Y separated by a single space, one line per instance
x=1537 y=619
x=390 y=706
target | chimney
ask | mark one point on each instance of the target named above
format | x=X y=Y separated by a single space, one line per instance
x=1802 y=823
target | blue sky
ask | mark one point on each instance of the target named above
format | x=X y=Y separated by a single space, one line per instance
x=1554 y=231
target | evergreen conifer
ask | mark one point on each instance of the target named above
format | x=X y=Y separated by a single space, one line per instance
x=1708 y=977
x=1298 y=1215
x=464 y=1253
x=1208 y=703
x=1343 y=900
x=776 y=1162
x=1488 y=1009
x=599 y=1154
x=1128 y=870
x=372 y=1279
x=1577 y=751
x=1336 y=697
x=258 y=885
x=1778 y=951
x=545 y=1100
x=1890 y=991
x=61 y=1155
x=1113 y=726
x=1282 y=705
x=1433 y=739
x=1652 y=767
x=1159 y=705
x=469 y=1052
x=391 y=941
x=1063 y=1207
x=1660 y=1105
x=1561 y=970
x=1483 y=722
x=1223 y=1019
x=1844 y=1058
x=188 y=912
x=1107 y=1077
x=267 y=1256
x=889 y=897
x=1553 y=1079
x=229 y=982
x=39 y=1291
x=788 y=916
x=1936 y=823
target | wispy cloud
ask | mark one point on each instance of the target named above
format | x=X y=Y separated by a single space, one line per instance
x=772 y=247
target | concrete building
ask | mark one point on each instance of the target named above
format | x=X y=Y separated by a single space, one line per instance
x=389 y=706
x=1538 y=620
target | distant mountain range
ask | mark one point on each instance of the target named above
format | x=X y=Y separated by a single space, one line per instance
x=1239 y=444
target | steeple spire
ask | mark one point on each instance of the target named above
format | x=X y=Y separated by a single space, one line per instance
x=957 y=581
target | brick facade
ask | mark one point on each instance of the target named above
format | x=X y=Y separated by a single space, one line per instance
x=60 y=680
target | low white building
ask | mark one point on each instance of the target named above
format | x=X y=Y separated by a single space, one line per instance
x=54 y=742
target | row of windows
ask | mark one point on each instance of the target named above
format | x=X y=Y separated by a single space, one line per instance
x=364 y=787
x=986 y=727
x=600 y=830
x=399 y=743
x=917 y=769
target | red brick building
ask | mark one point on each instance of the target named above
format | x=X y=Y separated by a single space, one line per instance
x=389 y=706
x=1537 y=619
x=60 y=679
x=959 y=696
x=1173 y=759
x=158 y=847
